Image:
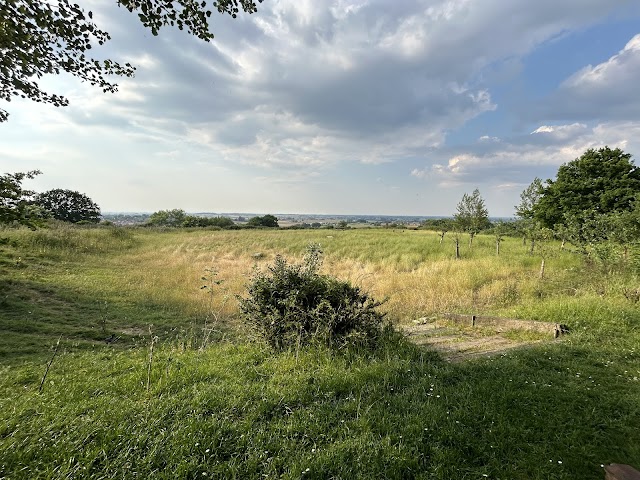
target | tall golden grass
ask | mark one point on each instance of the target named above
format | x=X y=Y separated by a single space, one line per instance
x=411 y=269
x=418 y=275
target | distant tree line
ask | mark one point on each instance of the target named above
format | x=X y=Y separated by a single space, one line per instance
x=179 y=218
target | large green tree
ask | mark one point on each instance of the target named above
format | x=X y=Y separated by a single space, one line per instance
x=600 y=181
x=40 y=37
x=68 y=206
x=16 y=205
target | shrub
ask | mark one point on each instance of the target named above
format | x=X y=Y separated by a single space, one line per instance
x=292 y=305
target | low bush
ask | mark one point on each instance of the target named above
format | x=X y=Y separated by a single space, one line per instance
x=292 y=305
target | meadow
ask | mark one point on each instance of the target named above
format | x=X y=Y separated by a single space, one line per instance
x=157 y=377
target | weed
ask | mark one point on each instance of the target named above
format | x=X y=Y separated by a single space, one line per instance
x=212 y=316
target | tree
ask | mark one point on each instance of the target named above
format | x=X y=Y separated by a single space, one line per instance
x=472 y=215
x=68 y=206
x=500 y=229
x=601 y=181
x=195 y=221
x=16 y=206
x=624 y=228
x=39 y=37
x=265 y=221
x=442 y=225
x=525 y=212
x=528 y=199
x=167 y=218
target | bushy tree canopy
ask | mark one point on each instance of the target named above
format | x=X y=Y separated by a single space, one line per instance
x=528 y=200
x=601 y=181
x=264 y=221
x=16 y=205
x=68 y=206
x=39 y=37
x=471 y=214
x=179 y=218
x=167 y=218
x=195 y=221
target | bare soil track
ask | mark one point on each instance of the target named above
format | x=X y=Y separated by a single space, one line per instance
x=457 y=342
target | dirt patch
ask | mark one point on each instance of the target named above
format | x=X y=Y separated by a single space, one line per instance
x=134 y=331
x=457 y=343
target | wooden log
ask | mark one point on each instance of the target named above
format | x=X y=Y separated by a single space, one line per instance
x=504 y=324
x=617 y=471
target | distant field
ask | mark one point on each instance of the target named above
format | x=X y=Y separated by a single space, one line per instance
x=558 y=410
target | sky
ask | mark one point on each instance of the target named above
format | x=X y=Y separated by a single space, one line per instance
x=390 y=107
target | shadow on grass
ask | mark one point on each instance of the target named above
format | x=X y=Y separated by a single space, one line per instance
x=33 y=314
x=240 y=411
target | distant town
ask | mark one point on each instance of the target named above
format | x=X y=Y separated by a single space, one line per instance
x=290 y=219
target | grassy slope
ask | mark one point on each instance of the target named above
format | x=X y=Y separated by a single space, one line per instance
x=237 y=410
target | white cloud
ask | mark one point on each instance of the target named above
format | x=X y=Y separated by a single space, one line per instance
x=560 y=132
x=517 y=160
x=304 y=87
x=607 y=91
x=619 y=69
x=376 y=81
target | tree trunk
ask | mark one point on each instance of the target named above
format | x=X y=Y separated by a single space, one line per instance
x=471 y=235
x=562 y=244
x=533 y=245
x=442 y=237
x=497 y=247
x=457 y=247
x=542 y=269
x=524 y=240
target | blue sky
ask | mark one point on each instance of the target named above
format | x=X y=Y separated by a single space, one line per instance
x=347 y=107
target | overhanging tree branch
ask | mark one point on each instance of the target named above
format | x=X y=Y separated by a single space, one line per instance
x=46 y=37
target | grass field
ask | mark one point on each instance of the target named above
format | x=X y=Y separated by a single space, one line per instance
x=235 y=410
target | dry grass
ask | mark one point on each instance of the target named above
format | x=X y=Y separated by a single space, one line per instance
x=411 y=269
